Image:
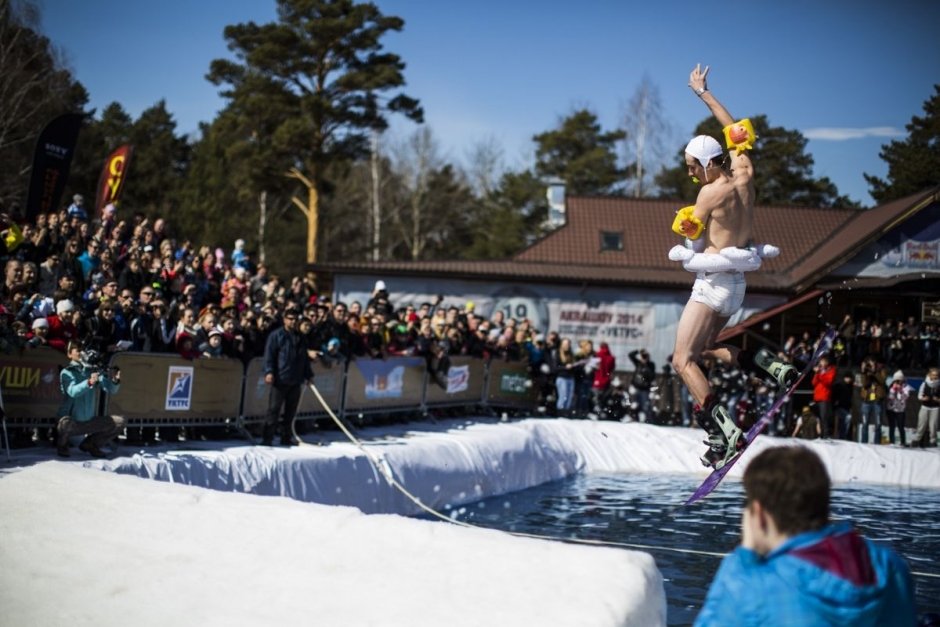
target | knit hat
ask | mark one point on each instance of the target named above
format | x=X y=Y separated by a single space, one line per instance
x=64 y=306
x=704 y=148
x=40 y=323
x=898 y=376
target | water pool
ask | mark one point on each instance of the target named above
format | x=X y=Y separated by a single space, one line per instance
x=638 y=509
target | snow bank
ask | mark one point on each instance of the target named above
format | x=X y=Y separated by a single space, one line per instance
x=459 y=462
x=81 y=547
x=84 y=548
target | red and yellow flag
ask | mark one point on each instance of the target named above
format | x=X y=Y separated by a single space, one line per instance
x=113 y=175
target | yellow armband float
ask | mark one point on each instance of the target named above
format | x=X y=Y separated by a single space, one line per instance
x=686 y=224
x=740 y=135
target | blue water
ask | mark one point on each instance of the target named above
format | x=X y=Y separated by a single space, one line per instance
x=639 y=509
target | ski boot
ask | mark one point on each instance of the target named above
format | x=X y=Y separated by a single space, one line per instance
x=725 y=438
x=784 y=373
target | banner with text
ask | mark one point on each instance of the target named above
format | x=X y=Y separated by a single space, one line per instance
x=30 y=383
x=162 y=388
x=624 y=327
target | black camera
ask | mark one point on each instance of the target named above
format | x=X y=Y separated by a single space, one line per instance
x=95 y=361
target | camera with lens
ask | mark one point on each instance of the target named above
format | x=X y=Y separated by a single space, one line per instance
x=95 y=361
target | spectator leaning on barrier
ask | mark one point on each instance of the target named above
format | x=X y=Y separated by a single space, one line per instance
x=286 y=369
x=78 y=414
x=795 y=567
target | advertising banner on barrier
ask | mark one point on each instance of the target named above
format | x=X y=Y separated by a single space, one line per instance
x=329 y=382
x=464 y=384
x=378 y=383
x=30 y=383
x=167 y=387
x=509 y=384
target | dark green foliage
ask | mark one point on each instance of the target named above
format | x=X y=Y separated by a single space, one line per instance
x=913 y=163
x=579 y=153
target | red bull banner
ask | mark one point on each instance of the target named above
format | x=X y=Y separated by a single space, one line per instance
x=113 y=175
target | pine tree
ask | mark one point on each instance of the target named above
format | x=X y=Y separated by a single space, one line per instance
x=914 y=163
x=319 y=81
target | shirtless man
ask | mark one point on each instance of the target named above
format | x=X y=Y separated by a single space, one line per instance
x=722 y=219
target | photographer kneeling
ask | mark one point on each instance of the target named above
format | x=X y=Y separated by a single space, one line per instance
x=78 y=382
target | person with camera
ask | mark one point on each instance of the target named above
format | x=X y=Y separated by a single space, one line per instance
x=79 y=382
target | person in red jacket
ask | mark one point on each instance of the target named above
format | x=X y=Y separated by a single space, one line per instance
x=62 y=329
x=824 y=376
x=605 y=364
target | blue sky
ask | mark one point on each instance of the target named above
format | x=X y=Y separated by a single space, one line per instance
x=849 y=75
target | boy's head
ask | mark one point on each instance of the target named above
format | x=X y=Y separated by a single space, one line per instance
x=792 y=485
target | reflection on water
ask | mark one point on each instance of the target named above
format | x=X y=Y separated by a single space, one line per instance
x=640 y=509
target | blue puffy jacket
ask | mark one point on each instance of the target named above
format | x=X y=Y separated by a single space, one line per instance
x=829 y=577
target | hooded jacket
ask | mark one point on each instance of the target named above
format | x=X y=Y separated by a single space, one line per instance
x=833 y=576
x=605 y=368
x=81 y=398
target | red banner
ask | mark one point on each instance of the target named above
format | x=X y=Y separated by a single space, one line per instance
x=113 y=174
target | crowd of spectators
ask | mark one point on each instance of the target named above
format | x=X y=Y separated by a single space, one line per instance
x=114 y=282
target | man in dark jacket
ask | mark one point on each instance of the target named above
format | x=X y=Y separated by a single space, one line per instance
x=286 y=369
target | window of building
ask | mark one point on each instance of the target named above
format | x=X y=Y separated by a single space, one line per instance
x=611 y=240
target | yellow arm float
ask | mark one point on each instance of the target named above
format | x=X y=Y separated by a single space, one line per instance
x=740 y=135
x=686 y=224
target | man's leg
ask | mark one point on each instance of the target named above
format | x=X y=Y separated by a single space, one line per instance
x=275 y=404
x=863 y=424
x=64 y=429
x=698 y=327
x=98 y=430
x=825 y=418
x=692 y=334
x=104 y=429
x=291 y=402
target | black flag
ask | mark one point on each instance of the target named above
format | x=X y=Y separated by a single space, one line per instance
x=51 y=163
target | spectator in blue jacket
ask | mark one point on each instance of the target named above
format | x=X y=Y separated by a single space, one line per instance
x=79 y=382
x=795 y=567
x=286 y=369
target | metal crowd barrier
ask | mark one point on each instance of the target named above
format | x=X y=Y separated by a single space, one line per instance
x=164 y=390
